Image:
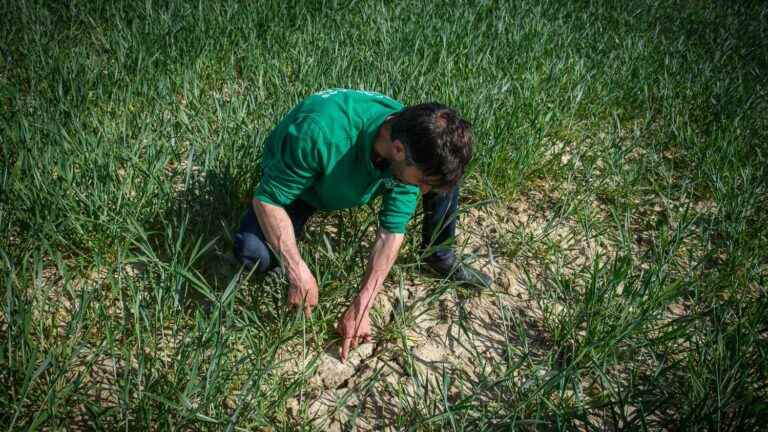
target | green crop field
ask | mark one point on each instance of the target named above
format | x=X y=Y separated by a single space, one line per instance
x=618 y=195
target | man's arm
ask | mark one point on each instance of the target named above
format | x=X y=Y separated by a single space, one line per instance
x=278 y=229
x=354 y=325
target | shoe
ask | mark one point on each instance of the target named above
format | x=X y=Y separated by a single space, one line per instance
x=457 y=271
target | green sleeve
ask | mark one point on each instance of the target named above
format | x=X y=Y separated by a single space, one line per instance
x=291 y=162
x=397 y=207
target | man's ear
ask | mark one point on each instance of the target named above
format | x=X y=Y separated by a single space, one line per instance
x=398 y=150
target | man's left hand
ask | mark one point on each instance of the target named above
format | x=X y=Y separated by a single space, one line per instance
x=354 y=328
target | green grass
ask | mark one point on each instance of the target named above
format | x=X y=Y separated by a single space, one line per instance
x=130 y=139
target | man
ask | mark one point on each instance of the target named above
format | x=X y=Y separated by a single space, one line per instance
x=339 y=149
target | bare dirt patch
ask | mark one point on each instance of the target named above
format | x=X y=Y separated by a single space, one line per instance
x=425 y=331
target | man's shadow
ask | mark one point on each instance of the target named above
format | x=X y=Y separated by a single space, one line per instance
x=207 y=207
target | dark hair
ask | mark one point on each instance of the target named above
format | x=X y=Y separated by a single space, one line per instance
x=437 y=141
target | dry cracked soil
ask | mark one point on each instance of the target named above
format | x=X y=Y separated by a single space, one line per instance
x=423 y=333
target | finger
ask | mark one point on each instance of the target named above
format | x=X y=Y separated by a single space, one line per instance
x=353 y=343
x=366 y=338
x=308 y=310
x=345 y=349
x=294 y=305
x=292 y=302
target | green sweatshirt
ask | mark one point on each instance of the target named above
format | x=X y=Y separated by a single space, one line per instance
x=321 y=153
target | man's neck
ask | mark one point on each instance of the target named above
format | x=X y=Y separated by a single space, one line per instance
x=379 y=148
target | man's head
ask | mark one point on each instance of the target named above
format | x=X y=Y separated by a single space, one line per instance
x=431 y=146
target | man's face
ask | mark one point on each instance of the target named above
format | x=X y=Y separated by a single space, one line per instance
x=412 y=175
x=408 y=173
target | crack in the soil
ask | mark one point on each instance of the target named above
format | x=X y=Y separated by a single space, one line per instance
x=363 y=365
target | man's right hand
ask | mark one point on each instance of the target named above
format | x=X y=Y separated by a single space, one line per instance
x=278 y=229
x=303 y=289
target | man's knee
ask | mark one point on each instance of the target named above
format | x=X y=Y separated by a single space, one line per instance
x=252 y=252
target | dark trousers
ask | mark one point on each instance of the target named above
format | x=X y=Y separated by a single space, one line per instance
x=438 y=228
